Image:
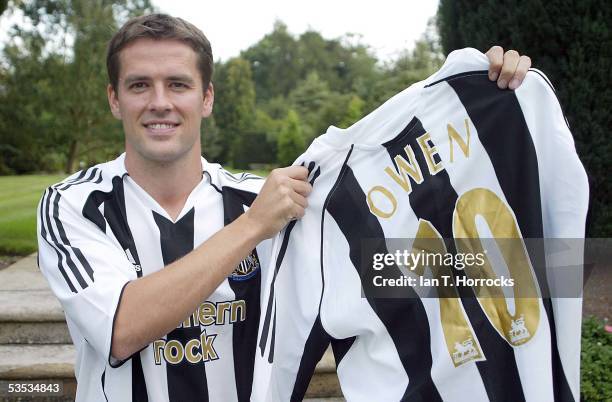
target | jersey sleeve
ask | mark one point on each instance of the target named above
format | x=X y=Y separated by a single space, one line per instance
x=564 y=183
x=565 y=196
x=86 y=269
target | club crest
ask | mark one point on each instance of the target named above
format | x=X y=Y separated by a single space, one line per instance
x=247 y=267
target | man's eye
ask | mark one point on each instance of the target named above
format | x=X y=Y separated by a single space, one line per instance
x=178 y=85
x=138 y=85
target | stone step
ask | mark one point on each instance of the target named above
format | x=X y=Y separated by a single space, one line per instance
x=23 y=275
x=30 y=313
x=47 y=362
x=36 y=362
x=324 y=382
x=31 y=317
x=332 y=399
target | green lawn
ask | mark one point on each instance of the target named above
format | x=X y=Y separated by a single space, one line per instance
x=19 y=196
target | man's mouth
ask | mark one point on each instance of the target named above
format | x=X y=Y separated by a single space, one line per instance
x=160 y=126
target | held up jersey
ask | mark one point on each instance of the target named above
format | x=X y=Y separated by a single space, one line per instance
x=97 y=231
x=450 y=157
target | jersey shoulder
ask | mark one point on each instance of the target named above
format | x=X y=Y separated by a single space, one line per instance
x=75 y=188
x=220 y=178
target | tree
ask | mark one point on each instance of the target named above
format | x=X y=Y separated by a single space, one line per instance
x=572 y=43
x=234 y=104
x=280 y=61
x=275 y=62
x=64 y=54
x=354 y=111
x=210 y=139
x=291 y=143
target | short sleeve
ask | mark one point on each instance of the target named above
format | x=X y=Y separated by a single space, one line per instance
x=86 y=268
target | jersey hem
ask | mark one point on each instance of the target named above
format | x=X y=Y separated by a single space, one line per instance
x=116 y=363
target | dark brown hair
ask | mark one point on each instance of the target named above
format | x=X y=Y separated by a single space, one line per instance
x=159 y=26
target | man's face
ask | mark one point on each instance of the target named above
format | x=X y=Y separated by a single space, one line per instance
x=160 y=99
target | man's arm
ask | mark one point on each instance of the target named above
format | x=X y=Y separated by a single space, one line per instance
x=174 y=292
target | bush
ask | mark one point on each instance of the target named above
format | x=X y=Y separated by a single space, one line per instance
x=571 y=41
x=596 y=362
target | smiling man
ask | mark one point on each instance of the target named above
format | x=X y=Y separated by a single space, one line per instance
x=152 y=255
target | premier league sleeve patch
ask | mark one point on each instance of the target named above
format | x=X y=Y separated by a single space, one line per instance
x=247 y=268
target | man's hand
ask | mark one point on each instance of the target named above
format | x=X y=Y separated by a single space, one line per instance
x=509 y=68
x=282 y=199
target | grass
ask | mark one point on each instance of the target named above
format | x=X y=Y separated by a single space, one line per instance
x=19 y=196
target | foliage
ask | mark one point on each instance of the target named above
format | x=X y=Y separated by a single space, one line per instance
x=572 y=43
x=290 y=140
x=354 y=111
x=210 y=139
x=53 y=85
x=596 y=362
x=235 y=103
x=54 y=113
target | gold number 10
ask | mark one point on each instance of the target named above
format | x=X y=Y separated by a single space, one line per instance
x=517 y=328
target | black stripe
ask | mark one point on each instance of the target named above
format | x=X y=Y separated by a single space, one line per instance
x=44 y=220
x=103 y=390
x=79 y=177
x=244 y=338
x=512 y=152
x=115 y=215
x=186 y=381
x=233 y=201
x=316 y=344
x=76 y=250
x=281 y=255
x=92 y=173
x=272 y=339
x=58 y=242
x=434 y=200
x=91 y=211
x=341 y=347
x=460 y=75
x=139 y=386
x=99 y=179
x=400 y=316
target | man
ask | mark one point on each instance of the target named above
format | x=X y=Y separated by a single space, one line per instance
x=187 y=331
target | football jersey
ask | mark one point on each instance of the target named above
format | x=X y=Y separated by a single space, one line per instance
x=450 y=157
x=98 y=230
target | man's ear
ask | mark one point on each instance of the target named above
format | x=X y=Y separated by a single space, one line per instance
x=209 y=99
x=113 y=101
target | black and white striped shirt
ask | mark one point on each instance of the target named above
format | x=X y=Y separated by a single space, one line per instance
x=97 y=231
x=448 y=157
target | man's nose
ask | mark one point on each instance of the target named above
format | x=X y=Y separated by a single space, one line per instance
x=160 y=99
